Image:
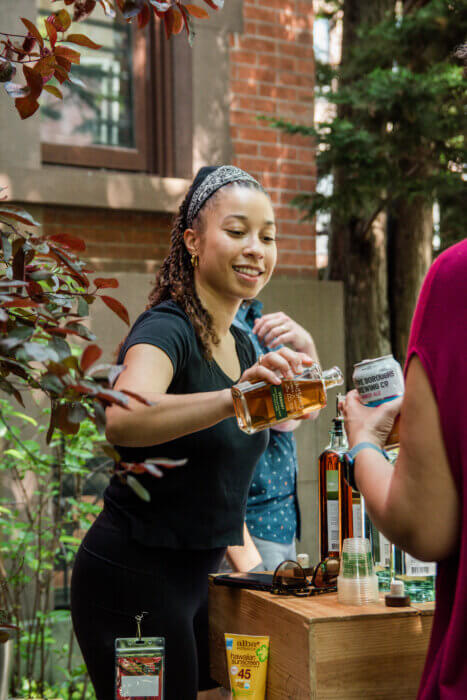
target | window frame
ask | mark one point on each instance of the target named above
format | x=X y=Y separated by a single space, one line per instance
x=154 y=58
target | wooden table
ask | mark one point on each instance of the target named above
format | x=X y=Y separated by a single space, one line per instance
x=322 y=650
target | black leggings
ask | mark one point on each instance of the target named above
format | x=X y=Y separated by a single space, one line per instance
x=115 y=579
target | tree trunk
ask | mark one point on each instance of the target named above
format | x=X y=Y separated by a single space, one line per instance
x=357 y=251
x=410 y=240
x=410 y=253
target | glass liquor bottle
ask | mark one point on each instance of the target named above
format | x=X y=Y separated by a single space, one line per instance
x=258 y=405
x=351 y=511
x=418 y=576
x=383 y=555
x=391 y=562
x=332 y=486
x=383 y=551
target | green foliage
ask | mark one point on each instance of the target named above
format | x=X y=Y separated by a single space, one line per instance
x=39 y=524
x=74 y=687
x=399 y=131
x=45 y=294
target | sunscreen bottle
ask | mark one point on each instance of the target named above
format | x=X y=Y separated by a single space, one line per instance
x=247 y=662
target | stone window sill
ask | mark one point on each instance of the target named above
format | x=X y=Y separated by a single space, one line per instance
x=80 y=187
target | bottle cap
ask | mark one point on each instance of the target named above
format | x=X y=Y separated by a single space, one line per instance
x=397 y=588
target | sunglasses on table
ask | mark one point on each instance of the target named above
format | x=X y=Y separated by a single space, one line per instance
x=290 y=578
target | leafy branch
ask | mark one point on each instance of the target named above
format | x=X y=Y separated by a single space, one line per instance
x=45 y=296
x=48 y=59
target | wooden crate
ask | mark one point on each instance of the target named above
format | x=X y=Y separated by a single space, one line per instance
x=322 y=650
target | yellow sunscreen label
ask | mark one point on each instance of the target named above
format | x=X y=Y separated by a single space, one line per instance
x=247 y=661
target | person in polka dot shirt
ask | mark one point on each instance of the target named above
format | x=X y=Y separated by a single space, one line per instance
x=273 y=516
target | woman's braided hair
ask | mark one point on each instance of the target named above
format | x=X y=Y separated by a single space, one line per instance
x=175 y=280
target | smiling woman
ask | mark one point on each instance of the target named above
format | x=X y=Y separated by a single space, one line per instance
x=184 y=355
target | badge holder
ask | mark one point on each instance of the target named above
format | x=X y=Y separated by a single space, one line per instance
x=139 y=666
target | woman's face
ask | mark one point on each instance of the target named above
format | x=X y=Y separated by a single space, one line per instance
x=237 y=248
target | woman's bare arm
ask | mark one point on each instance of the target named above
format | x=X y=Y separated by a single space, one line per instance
x=246 y=556
x=416 y=504
x=149 y=372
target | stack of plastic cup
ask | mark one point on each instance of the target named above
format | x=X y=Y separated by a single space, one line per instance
x=357 y=583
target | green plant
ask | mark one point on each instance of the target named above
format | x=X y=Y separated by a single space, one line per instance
x=390 y=145
x=40 y=526
x=398 y=128
x=76 y=686
x=45 y=295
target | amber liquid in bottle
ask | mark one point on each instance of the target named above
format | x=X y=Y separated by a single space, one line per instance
x=258 y=405
x=333 y=493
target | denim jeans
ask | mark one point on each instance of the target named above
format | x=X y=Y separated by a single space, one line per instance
x=272 y=553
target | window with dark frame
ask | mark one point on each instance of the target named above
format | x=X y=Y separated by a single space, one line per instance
x=119 y=112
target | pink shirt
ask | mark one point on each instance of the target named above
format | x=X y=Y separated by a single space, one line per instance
x=439 y=338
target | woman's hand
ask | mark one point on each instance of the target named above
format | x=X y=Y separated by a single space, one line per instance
x=276 y=366
x=365 y=424
x=279 y=329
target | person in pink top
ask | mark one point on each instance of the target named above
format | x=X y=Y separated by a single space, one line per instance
x=421 y=503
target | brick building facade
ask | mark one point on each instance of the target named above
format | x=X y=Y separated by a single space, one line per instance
x=270 y=72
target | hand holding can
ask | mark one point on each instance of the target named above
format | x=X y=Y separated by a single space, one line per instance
x=377 y=381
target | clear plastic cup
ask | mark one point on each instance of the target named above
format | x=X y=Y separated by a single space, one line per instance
x=357 y=583
x=356 y=560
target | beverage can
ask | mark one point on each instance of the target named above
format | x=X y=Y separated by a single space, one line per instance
x=377 y=381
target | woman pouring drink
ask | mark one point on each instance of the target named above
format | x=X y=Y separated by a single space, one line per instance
x=183 y=354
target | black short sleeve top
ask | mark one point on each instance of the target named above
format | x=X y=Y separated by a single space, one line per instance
x=200 y=505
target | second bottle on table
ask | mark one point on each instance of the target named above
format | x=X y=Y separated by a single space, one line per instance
x=258 y=405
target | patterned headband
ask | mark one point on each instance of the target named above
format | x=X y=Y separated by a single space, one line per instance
x=214 y=181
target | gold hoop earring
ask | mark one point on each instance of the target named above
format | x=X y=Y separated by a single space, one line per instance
x=194 y=260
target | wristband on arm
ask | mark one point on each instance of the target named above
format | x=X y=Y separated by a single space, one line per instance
x=348 y=461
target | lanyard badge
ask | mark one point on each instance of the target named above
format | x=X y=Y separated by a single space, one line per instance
x=139 y=666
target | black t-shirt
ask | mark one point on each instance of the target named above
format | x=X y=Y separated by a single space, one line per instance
x=200 y=505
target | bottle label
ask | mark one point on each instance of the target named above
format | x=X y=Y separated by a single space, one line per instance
x=414 y=567
x=333 y=526
x=278 y=401
x=332 y=493
x=293 y=397
x=357 y=519
x=384 y=551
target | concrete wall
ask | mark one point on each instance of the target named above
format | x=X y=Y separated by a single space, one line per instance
x=20 y=144
x=318 y=306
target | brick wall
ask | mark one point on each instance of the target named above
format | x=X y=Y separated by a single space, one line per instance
x=115 y=239
x=272 y=73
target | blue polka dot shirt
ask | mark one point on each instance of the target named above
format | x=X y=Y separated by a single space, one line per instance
x=272 y=509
